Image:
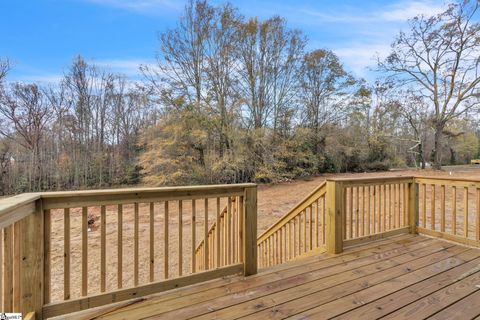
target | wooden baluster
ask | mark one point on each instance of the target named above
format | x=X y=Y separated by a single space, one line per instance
x=166 y=245
x=299 y=252
x=47 y=227
x=217 y=234
x=260 y=257
x=205 y=230
x=357 y=212
x=478 y=215
x=152 y=241
x=270 y=251
x=432 y=207
x=239 y=234
x=368 y=208
x=424 y=205
x=241 y=210
x=193 y=223
x=454 y=210
x=317 y=223
x=375 y=207
x=276 y=254
x=390 y=224
x=304 y=240
x=224 y=235
x=120 y=247
x=266 y=248
x=229 y=230
x=350 y=209
x=66 y=254
x=379 y=208
x=344 y=213
x=399 y=186
x=310 y=227
x=103 y=251
x=180 y=237
x=1 y=268
x=384 y=207
x=442 y=208
x=363 y=211
x=84 y=251
x=395 y=206
x=465 y=210
x=280 y=245
x=405 y=204
x=135 y=245
x=324 y=224
x=290 y=240
x=234 y=231
x=267 y=253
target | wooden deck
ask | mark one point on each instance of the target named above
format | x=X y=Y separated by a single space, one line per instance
x=400 y=277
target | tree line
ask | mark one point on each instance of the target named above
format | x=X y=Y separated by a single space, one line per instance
x=234 y=99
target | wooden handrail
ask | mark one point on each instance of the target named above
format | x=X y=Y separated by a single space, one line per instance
x=13 y=209
x=71 y=199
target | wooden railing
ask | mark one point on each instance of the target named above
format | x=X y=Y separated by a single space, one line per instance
x=450 y=208
x=68 y=251
x=21 y=251
x=344 y=212
x=229 y=234
x=300 y=232
x=372 y=208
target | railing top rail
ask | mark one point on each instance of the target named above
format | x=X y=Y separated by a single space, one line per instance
x=96 y=192
x=70 y=199
x=17 y=207
x=447 y=178
x=369 y=179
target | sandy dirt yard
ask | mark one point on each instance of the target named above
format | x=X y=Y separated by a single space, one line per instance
x=273 y=202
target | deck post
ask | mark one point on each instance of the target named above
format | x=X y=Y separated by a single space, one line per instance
x=32 y=260
x=250 y=229
x=335 y=216
x=413 y=206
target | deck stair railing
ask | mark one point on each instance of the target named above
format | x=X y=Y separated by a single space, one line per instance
x=344 y=212
x=300 y=232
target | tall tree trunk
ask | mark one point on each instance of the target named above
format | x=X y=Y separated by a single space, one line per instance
x=437 y=151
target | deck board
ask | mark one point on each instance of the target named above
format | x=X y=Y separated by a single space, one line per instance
x=393 y=278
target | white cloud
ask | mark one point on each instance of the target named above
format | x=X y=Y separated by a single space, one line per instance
x=367 y=34
x=42 y=78
x=397 y=12
x=408 y=9
x=128 y=67
x=143 y=6
x=359 y=56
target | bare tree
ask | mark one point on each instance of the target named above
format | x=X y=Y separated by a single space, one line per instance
x=439 y=58
x=221 y=81
x=26 y=112
x=270 y=56
x=4 y=68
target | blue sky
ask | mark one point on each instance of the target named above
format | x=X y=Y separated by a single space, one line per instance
x=40 y=37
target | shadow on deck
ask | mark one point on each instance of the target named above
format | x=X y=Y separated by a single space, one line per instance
x=402 y=277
